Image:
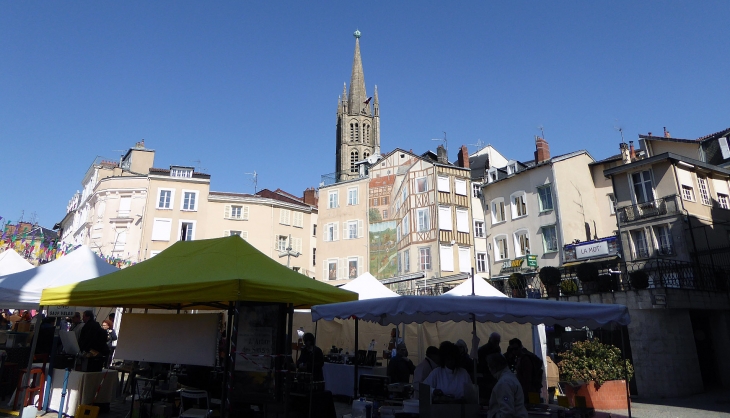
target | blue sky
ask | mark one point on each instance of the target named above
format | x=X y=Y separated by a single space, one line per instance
x=253 y=86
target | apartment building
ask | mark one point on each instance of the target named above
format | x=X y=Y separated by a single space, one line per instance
x=416 y=211
x=132 y=210
x=535 y=207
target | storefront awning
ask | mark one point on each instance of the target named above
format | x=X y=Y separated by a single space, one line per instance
x=592 y=260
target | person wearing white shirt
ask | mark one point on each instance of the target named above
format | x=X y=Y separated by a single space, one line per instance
x=430 y=362
x=450 y=379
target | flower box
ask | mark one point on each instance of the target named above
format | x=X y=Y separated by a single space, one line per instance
x=610 y=395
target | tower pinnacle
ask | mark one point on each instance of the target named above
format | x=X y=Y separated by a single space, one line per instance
x=356 y=34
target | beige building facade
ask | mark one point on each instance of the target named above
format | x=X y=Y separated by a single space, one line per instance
x=131 y=211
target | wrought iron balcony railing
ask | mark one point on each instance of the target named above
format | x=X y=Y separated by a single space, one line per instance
x=667 y=205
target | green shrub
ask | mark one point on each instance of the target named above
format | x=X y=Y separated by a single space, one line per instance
x=587 y=272
x=550 y=276
x=517 y=281
x=592 y=360
x=639 y=279
x=569 y=287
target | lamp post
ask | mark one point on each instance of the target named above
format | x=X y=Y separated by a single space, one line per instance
x=289 y=253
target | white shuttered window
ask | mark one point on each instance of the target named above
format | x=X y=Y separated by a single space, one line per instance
x=447 y=258
x=464 y=260
x=161 y=229
x=462 y=220
x=445 y=218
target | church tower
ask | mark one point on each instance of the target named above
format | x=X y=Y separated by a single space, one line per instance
x=358 y=122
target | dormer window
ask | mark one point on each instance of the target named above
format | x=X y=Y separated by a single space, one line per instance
x=511 y=167
x=184 y=172
x=492 y=175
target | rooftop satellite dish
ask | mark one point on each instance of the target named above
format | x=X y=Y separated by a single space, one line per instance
x=373 y=158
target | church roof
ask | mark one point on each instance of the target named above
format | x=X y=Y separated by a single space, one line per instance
x=357 y=97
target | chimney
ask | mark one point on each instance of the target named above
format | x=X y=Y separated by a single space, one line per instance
x=443 y=157
x=666 y=133
x=632 y=151
x=542 y=150
x=463 y=158
x=625 y=154
x=310 y=197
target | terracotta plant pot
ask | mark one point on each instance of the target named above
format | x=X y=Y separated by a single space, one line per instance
x=610 y=395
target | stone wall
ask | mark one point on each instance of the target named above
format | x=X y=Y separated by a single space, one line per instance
x=664 y=353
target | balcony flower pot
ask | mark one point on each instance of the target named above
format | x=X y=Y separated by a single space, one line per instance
x=639 y=279
x=606 y=283
x=588 y=275
x=518 y=283
x=597 y=372
x=569 y=287
x=550 y=278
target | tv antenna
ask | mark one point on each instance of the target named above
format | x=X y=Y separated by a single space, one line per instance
x=255 y=180
x=542 y=131
x=480 y=144
x=446 y=143
x=621 y=131
x=198 y=166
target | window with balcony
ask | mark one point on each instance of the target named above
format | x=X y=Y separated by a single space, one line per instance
x=497 y=206
x=704 y=191
x=663 y=240
x=642 y=186
x=549 y=239
x=638 y=239
x=500 y=248
x=545 y=198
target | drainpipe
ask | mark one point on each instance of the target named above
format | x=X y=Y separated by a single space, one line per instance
x=686 y=215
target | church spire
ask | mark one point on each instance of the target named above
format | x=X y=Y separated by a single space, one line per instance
x=358 y=96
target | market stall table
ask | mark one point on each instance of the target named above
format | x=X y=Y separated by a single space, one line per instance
x=82 y=388
x=339 y=378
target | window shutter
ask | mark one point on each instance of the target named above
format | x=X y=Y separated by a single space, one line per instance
x=244 y=235
x=297 y=244
x=335 y=235
x=360 y=266
x=226 y=233
x=345 y=231
x=443 y=184
x=342 y=268
x=447 y=258
x=161 y=230
x=284 y=215
x=244 y=213
x=460 y=187
x=462 y=220
x=445 y=218
x=359 y=229
x=227 y=212
x=464 y=260
x=325 y=271
x=724 y=147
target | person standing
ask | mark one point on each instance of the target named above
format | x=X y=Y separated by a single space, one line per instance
x=527 y=367
x=77 y=325
x=111 y=336
x=430 y=362
x=311 y=360
x=486 y=381
x=507 y=399
x=450 y=379
x=93 y=337
x=400 y=367
x=466 y=362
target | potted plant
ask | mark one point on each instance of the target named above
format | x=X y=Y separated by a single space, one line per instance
x=518 y=283
x=606 y=283
x=588 y=275
x=597 y=372
x=569 y=287
x=639 y=279
x=550 y=278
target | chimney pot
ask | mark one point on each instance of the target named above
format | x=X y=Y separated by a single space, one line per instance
x=463 y=158
x=442 y=156
x=542 y=150
x=632 y=151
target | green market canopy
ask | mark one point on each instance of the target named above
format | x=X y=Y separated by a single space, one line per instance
x=204 y=274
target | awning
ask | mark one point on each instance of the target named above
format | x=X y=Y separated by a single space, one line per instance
x=592 y=260
x=203 y=274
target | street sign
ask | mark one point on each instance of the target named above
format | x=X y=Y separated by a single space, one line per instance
x=532 y=261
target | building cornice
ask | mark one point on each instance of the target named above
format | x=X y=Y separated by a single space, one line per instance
x=256 y=200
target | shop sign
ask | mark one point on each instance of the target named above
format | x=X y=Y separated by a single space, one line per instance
x=594 y=249
x=531 y=261
x=516 y=263
x=63 y=310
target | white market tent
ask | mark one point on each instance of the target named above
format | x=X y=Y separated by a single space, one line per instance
x=12 y=262
x=481 y=288
x=368 y=287
x=22 y=290
x=419 y=309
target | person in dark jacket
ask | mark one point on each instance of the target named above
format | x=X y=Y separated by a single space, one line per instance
x=311 y=360
x=400 y=367
x=486 y=380
x=527 y=368
x=92 y=337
